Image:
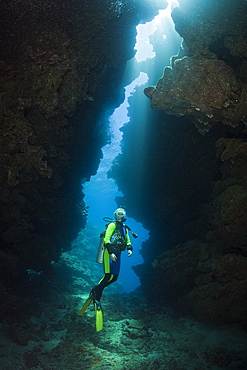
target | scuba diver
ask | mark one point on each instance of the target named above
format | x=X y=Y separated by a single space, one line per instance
x=115 y=240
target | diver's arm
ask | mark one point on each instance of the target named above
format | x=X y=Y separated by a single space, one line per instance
x=108 y=234
x=128 y=243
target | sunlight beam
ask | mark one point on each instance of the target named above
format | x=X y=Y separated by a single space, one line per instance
x=143 y=47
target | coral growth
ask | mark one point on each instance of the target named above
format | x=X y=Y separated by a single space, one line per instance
x=198 y=88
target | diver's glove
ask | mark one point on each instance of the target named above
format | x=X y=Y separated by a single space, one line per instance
x=113 y=257
x=130 y=250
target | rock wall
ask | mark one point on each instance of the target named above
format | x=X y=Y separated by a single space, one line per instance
x=194 y=185
x=207 y=276
x=60 y=68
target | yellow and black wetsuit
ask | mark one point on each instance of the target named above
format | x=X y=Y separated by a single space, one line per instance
x=116 y=240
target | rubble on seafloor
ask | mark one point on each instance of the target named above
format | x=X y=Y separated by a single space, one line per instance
x=136 y=334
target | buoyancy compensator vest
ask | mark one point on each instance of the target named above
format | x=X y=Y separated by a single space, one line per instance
x=101 y=248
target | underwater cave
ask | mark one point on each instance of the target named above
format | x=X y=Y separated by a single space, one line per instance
x=137 y=105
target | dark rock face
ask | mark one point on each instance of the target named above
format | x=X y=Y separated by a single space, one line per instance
x=207 y=276
x=195 y=188
x=59 y=65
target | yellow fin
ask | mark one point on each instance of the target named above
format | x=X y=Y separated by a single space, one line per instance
x=99 y=319
x=85 y=306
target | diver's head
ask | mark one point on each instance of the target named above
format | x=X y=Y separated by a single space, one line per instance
x=120 y=215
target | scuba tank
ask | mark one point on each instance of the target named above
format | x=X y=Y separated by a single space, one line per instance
x=99 y=258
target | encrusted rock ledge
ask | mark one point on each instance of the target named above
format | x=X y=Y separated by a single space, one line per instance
x=206 y=81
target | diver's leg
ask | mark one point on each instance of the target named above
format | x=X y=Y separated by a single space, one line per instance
x=98 y=289
x=112 y=280
x=111 y=270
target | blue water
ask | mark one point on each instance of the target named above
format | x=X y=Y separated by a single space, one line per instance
x=100 y=192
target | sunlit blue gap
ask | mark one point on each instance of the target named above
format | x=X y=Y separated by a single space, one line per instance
x=100 y=192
